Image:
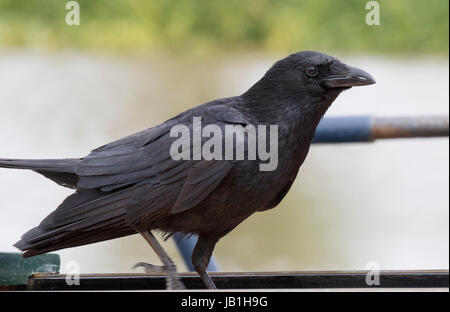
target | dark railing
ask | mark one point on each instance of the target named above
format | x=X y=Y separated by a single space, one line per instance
x=434 y=279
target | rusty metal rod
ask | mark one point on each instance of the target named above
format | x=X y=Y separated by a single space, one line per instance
x=409 y=127
x=369 y=129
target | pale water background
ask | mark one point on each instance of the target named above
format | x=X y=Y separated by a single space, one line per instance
x=386 y=202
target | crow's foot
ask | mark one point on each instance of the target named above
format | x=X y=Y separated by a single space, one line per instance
x=173 y=281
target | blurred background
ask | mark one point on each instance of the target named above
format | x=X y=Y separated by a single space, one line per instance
x=130 y=65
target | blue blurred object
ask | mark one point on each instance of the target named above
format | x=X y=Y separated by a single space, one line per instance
x=344 y=129
x=186 y=246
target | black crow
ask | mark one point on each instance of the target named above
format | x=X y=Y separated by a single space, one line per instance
x=135 y=184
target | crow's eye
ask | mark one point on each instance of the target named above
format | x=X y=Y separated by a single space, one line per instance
x=312 y=71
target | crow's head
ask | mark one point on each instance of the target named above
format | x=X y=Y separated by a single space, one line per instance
x=320 y=70
x=309 y=79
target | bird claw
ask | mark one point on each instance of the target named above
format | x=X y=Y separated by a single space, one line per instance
x=150 y=268
x=173 y=281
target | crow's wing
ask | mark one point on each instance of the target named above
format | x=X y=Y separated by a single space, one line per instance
x=141 y=164
x=145 y=157
x=130 y=160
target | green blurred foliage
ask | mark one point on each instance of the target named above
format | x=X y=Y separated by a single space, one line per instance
x=211 y=26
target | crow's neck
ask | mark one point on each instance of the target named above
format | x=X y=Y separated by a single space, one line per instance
x=297 y=116
x=296 y=113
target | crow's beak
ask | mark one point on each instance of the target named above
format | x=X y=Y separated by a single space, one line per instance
x=349 y=77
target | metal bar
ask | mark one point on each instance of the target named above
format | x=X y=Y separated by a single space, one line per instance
x=344 y=129
x=368 y=128
x=410 y=127
x=274 y=280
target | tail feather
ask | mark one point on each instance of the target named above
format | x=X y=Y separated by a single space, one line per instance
x=80 y=239
x=85 y=217
x=54 y=165
x=61 y=171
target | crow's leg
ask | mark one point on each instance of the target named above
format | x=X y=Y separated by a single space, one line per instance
x=201 y=256
x=172 y=280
